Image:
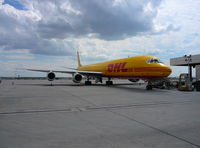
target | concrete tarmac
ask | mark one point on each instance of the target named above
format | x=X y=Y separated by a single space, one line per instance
x=34 y=114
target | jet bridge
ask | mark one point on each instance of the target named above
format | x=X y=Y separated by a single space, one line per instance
x=190 y=61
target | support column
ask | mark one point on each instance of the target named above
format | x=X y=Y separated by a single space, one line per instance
x=190 y=72
x=197 y=72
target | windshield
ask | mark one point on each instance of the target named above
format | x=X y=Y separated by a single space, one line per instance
x=152 y=60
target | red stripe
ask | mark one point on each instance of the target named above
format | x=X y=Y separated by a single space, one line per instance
x=139 y=77
x=145 y=70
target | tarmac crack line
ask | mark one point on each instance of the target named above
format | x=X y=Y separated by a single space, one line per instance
x=155 y=128
x=36 y=111
x=90 y=108
x=136 y=105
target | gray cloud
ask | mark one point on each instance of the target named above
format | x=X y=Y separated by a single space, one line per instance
x=105 y=19
x=45 y=25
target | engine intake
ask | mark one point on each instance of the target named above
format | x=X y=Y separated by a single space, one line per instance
x=77 y=78
x=51 y=76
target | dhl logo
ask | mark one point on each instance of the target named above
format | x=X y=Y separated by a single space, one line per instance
x=117 y=67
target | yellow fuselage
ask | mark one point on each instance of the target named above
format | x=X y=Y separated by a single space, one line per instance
x=132 y=67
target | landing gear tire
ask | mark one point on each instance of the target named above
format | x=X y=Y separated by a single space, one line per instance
x=109 y=82
x=149 y=87
x=88 y=83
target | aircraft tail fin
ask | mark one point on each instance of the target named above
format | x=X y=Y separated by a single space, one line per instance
x=78 y=58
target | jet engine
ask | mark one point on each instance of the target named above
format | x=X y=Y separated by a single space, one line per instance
x=76 y=78
x=134 y=80
x=51 y=76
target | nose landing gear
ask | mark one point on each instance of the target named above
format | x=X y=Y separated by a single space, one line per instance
x=149 y=86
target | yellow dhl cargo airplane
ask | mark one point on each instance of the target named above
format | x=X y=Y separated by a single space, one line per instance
x=148 y=68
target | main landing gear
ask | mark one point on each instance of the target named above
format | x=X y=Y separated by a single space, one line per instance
x=109 y=82
x=149 y=86
x=88 y=82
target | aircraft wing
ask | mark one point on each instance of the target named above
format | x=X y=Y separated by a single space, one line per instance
x=90 y=73
x=85 y=73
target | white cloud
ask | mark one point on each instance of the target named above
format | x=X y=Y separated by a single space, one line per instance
x=66 y=6
x=44 y=26
x=101 y=30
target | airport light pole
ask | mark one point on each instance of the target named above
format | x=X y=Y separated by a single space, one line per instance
x=188 y=59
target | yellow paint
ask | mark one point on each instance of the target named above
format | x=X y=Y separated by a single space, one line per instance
x=135 y=67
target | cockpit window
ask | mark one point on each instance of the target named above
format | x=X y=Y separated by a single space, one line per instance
x=152 y=60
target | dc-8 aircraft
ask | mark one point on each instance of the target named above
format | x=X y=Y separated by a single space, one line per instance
x=148 y=68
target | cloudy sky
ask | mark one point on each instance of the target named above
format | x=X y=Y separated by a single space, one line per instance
x=46 y=34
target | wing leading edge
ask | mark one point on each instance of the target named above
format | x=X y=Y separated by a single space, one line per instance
x=85 y=73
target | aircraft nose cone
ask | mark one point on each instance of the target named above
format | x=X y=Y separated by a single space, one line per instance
x=168 y=70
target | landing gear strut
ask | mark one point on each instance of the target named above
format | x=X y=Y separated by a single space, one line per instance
x=88 y=82
x=98 y=79
x=109 y=82
x=149 y=86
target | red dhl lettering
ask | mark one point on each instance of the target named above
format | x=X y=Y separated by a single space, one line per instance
x=117 y=67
